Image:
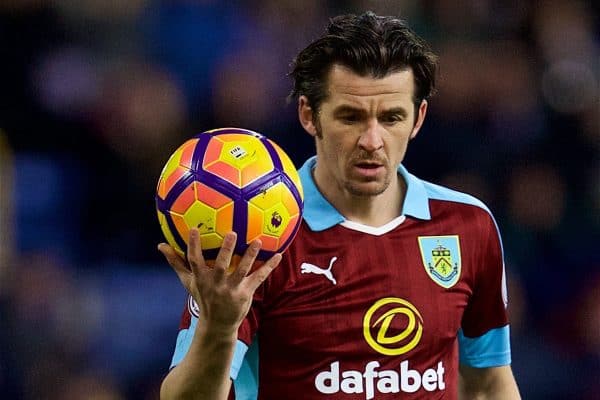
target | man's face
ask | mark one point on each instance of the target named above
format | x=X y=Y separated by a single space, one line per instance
x=362 y=130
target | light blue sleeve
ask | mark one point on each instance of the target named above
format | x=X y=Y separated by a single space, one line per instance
x=244 y=367
x=492 y=349
x=184 y=340
x=246 y=384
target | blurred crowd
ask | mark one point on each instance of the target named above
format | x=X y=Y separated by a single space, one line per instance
x=95 y=95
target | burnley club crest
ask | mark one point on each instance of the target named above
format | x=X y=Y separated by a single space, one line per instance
x=441 y=258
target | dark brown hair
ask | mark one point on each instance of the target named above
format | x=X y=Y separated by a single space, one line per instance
x=368 y=44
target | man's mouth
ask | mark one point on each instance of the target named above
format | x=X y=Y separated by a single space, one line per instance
x=368 y=165
x=368 y=169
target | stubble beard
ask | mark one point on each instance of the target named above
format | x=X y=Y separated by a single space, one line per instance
x=367 y=188
x=358 y=189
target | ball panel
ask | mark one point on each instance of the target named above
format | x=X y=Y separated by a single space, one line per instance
x=269 y=243
x=200 y=216
x=283 y=245
x=167 y=233
x=290 y=230
x=211 y=241
x=259 y=168
x=210 y=196
x=166 y=181
x=289 y=202
x=255 y=221
x=187 y=153
x=272 y=154
x=275 y=219
x=212 y=153
x=269 y=217
x=239 y=154
x=225 y=171
x=236 y=138
x=183 y=202
x=176 y=167
x=246 y=155
x=171 y=180
x=267 y=197
x=289 y=168
x=181 y=228
x=224 y=219
x=172 y=163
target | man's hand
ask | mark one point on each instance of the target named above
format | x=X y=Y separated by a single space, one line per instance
x=224 y=296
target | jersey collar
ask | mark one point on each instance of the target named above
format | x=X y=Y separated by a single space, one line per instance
x=319 y=214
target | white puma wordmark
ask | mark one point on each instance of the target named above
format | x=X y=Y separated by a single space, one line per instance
x=307 y=268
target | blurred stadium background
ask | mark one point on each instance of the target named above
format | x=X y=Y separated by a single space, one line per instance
x=96 y=94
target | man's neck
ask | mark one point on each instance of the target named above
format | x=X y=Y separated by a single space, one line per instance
x=374 y=211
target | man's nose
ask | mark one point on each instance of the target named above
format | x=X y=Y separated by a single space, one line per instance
x=371 y=139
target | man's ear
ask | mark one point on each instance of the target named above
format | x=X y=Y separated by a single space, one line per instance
x=420 y=118
x=306 y=116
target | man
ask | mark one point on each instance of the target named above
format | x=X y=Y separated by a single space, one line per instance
x=391 y=283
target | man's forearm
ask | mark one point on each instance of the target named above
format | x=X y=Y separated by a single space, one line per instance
x=204 y=372
x=496 y=383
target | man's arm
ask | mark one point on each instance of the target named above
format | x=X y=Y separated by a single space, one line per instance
x=487 y=383
x=224 y=299
x=204 y=372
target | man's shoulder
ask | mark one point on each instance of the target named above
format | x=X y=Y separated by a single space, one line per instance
x=443 y=193
x=459 y=207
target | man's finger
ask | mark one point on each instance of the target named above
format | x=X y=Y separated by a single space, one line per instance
x=225 y=254
x=255 y=279
x=176 y=262
x=246 y=262
x=194 y=251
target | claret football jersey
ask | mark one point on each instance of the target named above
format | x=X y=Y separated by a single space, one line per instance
x=360 y=312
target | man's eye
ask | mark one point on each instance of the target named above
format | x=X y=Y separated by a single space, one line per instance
x=349 y=119
x=391 y=119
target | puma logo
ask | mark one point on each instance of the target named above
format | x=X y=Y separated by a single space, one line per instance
x=307 y=268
